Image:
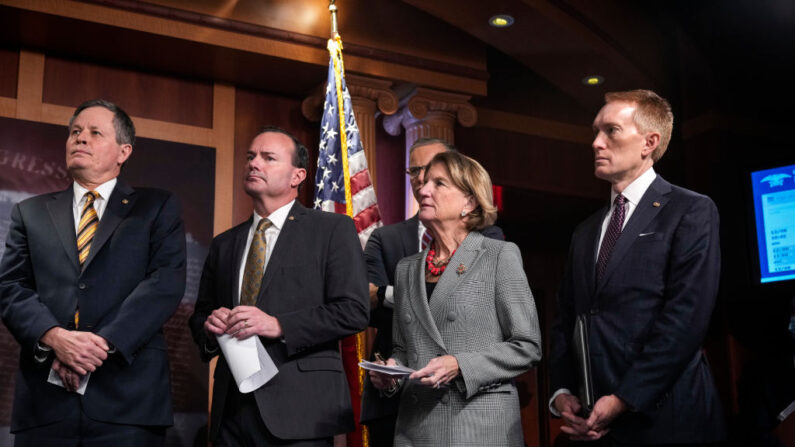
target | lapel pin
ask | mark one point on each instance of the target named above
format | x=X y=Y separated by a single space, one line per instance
x=655 y=204
x=291 y=218
x=125 y=201
x=461 y=269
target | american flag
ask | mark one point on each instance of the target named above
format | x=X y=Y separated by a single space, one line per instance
x=342 y=185
x=330 y=190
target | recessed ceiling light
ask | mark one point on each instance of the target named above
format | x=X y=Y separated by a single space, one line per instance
x=501 y=21
x=593 y=80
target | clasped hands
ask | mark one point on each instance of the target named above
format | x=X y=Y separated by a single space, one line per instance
x=242 y=322
x=438 y=372
x=606 y=409
x=76 y=354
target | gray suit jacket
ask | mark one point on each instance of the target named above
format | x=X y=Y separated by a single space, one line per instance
x=483 y=313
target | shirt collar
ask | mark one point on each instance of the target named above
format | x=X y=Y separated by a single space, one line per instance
x=277 y=217
x=634 y=192
x=104 y=190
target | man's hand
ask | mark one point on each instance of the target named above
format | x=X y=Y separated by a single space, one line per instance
x=216 y=323
x=70 y=379
x=569 y=406
x=439 y=371
x=606 y=409
x=80 y=351
x=245 y=321
x=373 y=296
x=383 y=381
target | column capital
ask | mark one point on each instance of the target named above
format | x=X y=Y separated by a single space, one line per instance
x=428 y=104
x=361 y=88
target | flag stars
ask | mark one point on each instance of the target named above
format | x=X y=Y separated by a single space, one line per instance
x=331 y=134
x=320 y=186
x=326 y=172
x=317 y=203
x=332 y=158
x=334 y=187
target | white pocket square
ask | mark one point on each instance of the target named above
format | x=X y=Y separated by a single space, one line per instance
x=646 y=234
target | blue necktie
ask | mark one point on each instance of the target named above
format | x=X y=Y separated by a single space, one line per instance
x=611 y=236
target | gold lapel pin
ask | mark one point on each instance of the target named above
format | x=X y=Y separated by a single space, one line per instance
x=461 y=269
x=125 y=201
x=291 y=218
x=655 y=204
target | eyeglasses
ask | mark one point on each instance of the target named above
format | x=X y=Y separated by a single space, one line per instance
x=414 y=171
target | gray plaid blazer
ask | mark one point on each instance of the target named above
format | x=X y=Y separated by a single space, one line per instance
x=483 y=313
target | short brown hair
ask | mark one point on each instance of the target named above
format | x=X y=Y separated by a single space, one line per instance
x=652 y=114
x=470 y=177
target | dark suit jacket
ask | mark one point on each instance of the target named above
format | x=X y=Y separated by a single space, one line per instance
x=315 y=285
x=648 y=317
x=131 y=283
x=385 y=247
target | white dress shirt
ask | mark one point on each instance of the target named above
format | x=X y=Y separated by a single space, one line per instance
x=100 y=202
x=277 y=219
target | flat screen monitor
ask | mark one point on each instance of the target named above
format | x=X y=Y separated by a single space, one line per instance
x=774 y=213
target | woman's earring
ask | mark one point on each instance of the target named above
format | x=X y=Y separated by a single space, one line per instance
x=463 y=213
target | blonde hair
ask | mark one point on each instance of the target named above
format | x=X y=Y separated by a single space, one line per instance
x=652 y=114
x=470 y=177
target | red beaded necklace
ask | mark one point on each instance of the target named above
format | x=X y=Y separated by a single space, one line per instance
x=438 y=267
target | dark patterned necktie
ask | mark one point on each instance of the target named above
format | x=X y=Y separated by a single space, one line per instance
x=87 y=227
x=611 y=235
x=426 y=240
x=255 y=265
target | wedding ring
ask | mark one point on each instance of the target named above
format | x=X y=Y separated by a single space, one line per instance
x=245 y=323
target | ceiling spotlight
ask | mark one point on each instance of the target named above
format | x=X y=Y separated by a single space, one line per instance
x=501 y=21
x=593 y=80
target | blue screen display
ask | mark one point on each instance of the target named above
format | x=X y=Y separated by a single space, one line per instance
x=774 y=212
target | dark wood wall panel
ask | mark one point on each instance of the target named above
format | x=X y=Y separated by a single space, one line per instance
x=534 y=163
x=390 y=167
x=254 y=110
x=9 y=70
x=147 y=95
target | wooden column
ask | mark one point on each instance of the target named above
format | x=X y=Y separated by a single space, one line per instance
x=427 y=113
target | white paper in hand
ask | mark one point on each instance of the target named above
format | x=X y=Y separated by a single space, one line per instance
x=394 y=370
x=55 y=379
x=248 y=360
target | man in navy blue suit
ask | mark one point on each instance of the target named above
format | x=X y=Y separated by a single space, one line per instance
x=644 y=273
x=88 y=278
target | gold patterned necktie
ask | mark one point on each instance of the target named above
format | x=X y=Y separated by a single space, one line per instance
x=87 y=227
x=255 y=265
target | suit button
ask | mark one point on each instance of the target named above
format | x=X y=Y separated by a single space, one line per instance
x=407 y=318
x=415 y=399
x=451 y=315
x=445 y=398
x=414 y=357
x=81 y=286
x=594 y=311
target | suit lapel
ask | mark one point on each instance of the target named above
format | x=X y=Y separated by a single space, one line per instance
x=462 y=261
x=238 y=258
x=593 y=232
x=653 y=200
x=63 y=220
x=409 y=236
x=419 y=301
x=120 y=202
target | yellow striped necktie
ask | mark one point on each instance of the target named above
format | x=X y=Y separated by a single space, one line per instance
x=255 y=265
x=87 y=227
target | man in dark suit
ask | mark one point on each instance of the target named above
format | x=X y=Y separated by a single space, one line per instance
x=385 y=247
x=313 y=292
x=87 y=280
x=644 y=272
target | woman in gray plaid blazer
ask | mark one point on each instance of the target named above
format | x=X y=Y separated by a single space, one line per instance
x=464 y=319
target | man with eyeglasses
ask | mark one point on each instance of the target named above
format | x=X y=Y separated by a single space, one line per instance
x=386 y=246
